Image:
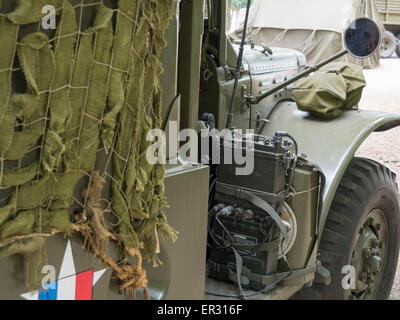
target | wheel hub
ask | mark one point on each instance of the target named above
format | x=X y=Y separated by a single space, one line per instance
x=369 y=255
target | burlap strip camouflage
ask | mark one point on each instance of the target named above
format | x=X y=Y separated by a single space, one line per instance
x=72 y=138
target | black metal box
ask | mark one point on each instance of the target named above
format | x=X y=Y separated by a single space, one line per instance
x=269 y=155
x=222 y=262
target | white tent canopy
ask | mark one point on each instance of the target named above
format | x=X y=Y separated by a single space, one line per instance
x=329 y=15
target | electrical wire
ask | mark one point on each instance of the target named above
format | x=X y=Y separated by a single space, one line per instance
x=285 y=134
x=213 y=212
x=293 y=168
x=284 y=257
x=211 y=192
x=263 y=291
x=231 y=245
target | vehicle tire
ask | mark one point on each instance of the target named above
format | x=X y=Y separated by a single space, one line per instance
x=398 y=46
x=362 y=230
x=388 y=45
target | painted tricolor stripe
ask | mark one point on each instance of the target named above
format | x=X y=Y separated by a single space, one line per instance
x=76 y=287
x=84 y=285
x=70 y=285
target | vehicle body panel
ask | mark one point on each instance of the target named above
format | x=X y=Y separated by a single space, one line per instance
x=187 y=192
x=331 y=144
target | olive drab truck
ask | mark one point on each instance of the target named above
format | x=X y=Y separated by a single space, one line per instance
x=389 y=14
x=89 y=87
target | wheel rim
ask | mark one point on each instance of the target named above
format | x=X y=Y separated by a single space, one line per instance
x=388 y=46
x=369 y=256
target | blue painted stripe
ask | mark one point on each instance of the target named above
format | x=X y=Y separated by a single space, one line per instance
x=50 y=293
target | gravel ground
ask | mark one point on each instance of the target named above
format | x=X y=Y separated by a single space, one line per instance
x=383 y=93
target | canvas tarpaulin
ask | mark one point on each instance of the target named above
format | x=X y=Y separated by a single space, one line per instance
x=313 y=27
x=75 y=107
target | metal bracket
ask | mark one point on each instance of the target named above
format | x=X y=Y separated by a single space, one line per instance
x=323 y=272
x=266 y=280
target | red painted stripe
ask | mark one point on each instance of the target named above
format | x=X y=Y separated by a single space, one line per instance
x=84 y=285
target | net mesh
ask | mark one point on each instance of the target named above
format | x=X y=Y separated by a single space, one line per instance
x=75 y=106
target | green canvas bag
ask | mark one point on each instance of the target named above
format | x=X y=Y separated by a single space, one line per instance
x=329 y=91
x=355 y=80
x=322 y=94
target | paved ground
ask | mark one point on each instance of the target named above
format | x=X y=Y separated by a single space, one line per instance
x=383 y=93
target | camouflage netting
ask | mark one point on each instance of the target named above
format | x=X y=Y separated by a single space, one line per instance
x=75 y=106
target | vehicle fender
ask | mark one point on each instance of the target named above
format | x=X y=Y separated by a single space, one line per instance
x=330 y=144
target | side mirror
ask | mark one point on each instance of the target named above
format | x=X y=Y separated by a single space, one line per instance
x=363 y=38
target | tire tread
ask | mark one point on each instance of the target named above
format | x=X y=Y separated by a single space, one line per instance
x=359 y=182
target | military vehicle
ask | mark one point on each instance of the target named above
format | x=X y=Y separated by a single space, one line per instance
x=389 y=13
x=82 y=210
